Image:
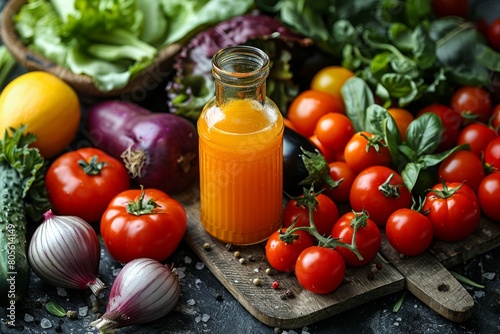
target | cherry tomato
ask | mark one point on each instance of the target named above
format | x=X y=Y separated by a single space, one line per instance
x=495 y=118
x=282 y=255
x=488 y=195
x=380 y=191
x=340 y=170
x=325 y=214
x=472 y=103
x=452 y=122
x=368 y=239
x=478 y=136
x=82 y=183
x=330 y=80
x=409 y=232
x=453 y=209
x=308 y=107
x=492 y=154
x=462 y=166
x=493 y=34
x=334 y=131
x=143 y=223
x=364 y=150
x=319 y=269
x=443 y=8
x=328 y=154
x=403 y=118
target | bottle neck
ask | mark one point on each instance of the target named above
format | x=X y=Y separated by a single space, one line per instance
x=240 y=73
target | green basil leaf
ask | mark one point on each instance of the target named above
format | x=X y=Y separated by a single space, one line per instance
x=380 y=64
x=357 y=98
x=488 y=58
x=429 y=160
x=417 y=10
x=55 y=309
x=344 y=32
x=392 y=137
x=398 y=85
x=424 y=53
x=410 y=174
x=405 y=66
x=424 y=134
x=375 y=119
x=401 y=36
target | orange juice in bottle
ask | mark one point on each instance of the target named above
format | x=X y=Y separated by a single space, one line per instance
x=241 y=151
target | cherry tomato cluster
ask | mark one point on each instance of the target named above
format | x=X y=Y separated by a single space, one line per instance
x=134 y=223
x=464 y=186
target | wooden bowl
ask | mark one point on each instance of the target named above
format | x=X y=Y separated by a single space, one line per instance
x=142 y=82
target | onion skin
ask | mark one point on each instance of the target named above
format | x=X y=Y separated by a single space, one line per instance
x=143 y=291
x=65 y=252
x=164 y=146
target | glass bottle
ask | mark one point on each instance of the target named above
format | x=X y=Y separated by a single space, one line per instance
x=241 y=151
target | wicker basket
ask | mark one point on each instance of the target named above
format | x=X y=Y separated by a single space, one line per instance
x=83 y=84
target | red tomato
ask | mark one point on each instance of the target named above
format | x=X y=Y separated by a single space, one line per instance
x=143 y=223
x=368 y=239
x=493 y=34
x=339 y=170
x=334 y=131
x=478 y=136
x=443 y=8
x=488 y=195
x=462 y=166
x=380 y=191
x=319 y=269
x=409 y=232
x=82 y=183
x=453 y=210
x=452 y=123
x=325 y=214
x=328 y=154
x=492 y=154
x=364 y=150
x=472 y=103
x=495 y=118
x=308 y=107
x=282 y=255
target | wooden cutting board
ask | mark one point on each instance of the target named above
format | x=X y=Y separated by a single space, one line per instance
x=425 y=276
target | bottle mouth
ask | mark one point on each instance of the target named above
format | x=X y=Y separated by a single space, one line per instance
x=240 y=65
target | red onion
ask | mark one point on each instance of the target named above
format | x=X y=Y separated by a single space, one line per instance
x=65 y=252
x=144 y=290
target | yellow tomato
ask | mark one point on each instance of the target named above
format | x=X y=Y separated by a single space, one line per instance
x=48 y=107
x=330 y=80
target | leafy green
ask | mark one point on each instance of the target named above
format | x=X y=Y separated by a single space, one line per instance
x=113 y=40
x=398 y=47
x=55 y=309
x=7 y=62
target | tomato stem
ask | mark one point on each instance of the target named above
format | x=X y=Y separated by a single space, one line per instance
x=389 y=190
x=141 y=207
x=446 y=192
x=93 y=166
x=318 y=169
x=309 y=200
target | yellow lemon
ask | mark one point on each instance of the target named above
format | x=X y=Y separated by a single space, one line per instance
x=47 y=105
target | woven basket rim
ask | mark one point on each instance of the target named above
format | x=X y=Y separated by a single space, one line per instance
x=83 y=84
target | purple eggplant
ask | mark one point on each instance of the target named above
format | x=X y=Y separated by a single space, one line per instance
x=160 y=150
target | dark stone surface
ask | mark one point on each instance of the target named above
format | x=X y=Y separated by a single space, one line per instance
x=203 y=295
